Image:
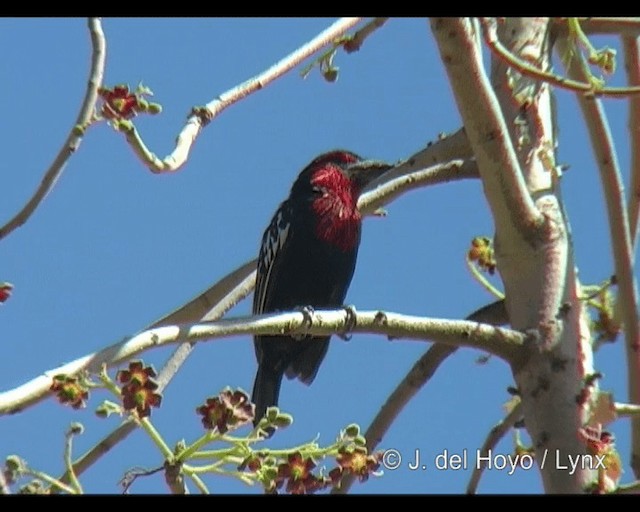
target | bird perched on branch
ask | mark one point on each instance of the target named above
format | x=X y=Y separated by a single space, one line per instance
x=307 y=258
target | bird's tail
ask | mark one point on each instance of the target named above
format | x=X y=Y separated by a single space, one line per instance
x=266 y=390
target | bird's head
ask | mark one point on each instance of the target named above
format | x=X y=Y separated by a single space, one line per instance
x=340 y=174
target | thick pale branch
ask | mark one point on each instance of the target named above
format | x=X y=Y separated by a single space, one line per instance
x=486 y=128
x=504 y=343
x=202 y=116
x=74 y=138
x=632 y=67
x=603 y=147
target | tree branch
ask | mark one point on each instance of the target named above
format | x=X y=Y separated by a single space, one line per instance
x=355 y=42
x=201 y=116
x=76 y=134
x=491 y=37
x=632 y=67
x=391 y=189
x=504 y=343
x=619 y=26
x=486 y=129
x=627 y=301
x=495 y=435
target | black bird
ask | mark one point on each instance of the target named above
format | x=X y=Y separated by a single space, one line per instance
x=307 y=258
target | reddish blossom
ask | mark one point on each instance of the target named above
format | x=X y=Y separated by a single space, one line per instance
x=139 y=390
x=141 y=398
x=136 y=374
x=482 y=252
x=5 y=291
x=119 y=102
x=69 y=390
x=297 y=473
x=357 y=462
x=229 y=410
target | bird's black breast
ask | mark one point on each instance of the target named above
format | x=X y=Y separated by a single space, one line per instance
x=296 y=269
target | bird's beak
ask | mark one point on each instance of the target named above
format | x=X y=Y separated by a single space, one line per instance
x=364 y=172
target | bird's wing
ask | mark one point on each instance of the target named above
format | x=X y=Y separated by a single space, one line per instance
x=270 y=257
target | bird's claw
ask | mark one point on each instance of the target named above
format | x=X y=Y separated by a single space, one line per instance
x=350 y=322
x=307 y=322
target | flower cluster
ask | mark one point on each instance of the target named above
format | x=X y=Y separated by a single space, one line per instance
x=227 y=411
x=5 y=291
x=482 y=252
x=357 y=462
x=121 y=103
x=70 y=390
x=139 y=389
x=296 y=473
x=601 y=445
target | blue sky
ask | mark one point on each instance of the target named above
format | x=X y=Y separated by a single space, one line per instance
x=114 y=247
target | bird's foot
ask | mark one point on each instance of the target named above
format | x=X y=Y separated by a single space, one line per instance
x=307 y=312
x=349 y=324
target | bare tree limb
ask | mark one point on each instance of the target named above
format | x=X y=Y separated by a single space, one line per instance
x=509 y=123
x=392 y=189
x=200 y=117
x=355 y=42
x=495 y=435
x=75 y=136
x=504 y=343
x=632 y=67
x=486 y=128
x=627 y=301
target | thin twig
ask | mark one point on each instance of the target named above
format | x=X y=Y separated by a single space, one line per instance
x=203 y=115
x=491 y=38
x=626 y=409
x=391 y=189
x=354 y=43
x=68 y=454
x=75 y=136
x=627 y=300
x=493 y=438
x=601 y=25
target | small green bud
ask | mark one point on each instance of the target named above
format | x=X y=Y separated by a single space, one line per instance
x=283 y=420
x=352 y=430
x=76 y=428
x=154 y=108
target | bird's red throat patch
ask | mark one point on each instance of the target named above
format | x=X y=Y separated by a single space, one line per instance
x=337 y=217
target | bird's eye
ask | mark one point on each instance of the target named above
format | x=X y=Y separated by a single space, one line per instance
x=317 y=190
